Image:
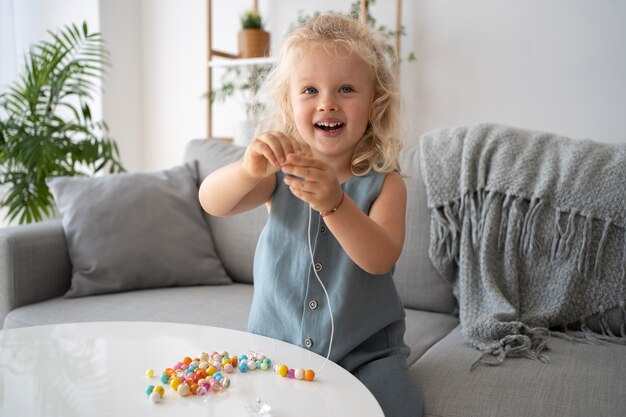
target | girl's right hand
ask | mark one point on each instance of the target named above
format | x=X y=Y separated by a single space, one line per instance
x=268 y=152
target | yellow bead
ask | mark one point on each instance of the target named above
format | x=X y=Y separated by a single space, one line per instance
x=226 y=360
x=175 y=383
x=150 y=373
x=211 y=370
x=282 y=370
x=160 y=390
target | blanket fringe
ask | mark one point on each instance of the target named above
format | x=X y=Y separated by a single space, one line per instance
x=519 y=345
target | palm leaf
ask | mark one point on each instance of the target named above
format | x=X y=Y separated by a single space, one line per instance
x=48 y=129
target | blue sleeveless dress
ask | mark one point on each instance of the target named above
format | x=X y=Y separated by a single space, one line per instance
x=289 y=304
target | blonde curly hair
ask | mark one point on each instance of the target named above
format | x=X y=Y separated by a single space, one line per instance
x=380 y=146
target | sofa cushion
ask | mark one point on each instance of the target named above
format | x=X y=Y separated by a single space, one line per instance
x=221 y=306
x=419 y=284
x=424 y=329
x=580 y=380
x=136 y=230
x=235 y=236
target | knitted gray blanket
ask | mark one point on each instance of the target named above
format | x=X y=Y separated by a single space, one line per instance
x=529 y=228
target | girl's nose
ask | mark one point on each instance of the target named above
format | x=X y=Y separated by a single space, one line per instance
x=326 y=103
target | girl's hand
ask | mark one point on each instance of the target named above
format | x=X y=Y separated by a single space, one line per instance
x=268 y=152
x=317 y=182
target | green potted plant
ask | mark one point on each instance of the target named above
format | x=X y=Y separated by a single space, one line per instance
x=46 y=128
x=253 y=40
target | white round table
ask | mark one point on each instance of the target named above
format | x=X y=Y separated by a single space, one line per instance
x=98 y=369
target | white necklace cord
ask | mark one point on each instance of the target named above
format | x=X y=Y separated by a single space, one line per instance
x=330 y=311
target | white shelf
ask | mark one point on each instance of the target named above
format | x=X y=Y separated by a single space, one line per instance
x=226 y=62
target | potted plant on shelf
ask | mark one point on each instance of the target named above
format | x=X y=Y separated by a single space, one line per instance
x=46 y=127
x=253 y=40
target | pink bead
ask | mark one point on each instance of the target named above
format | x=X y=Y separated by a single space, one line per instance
x=228 y=368
x=184 y=366
x=203 y=389
x=178 y=365
x=218 y=366
x=291 y=373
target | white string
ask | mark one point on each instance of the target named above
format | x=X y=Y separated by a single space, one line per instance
x=330 y=311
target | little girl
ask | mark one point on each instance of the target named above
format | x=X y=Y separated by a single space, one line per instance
x=332 y=151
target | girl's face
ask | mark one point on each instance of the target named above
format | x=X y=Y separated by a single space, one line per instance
x=331 y=95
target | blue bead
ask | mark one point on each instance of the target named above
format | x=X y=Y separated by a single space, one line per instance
x=193 y=368
x=217 y=376
x=243 y=367
x=267 y=361
x=243 y=358
x=165 y=378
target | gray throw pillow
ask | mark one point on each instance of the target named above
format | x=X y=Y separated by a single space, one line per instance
x=136 y=230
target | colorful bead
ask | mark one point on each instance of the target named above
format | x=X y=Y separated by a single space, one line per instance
x=264 y=366
x=228 y=368
x=243 y=367
x=299 y=373
x=155 y=397
x=309 y=375
x=290 y=373
x=186 y=360
x=234 y=360
x=175 y=382
x=203 y=389
x=150 y=373
x=251 y=365
x=160 y=390
x=183 y=390
x=165 y=378
x=282 y=370
x=149 y=389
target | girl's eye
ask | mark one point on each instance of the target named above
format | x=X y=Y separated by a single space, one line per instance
x=310 y=90
x=346 y=89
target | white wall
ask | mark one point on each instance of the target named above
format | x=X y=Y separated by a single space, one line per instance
x=555 y=65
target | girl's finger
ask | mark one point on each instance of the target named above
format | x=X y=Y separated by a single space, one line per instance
x=304 y=161
x=311 y=174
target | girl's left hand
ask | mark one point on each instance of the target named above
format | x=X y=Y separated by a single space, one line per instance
x=317 y=182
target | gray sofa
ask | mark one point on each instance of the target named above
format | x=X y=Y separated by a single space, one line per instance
x=579 y=380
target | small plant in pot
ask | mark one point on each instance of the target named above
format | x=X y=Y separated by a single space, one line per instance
x=253 y=40
x=46 y=128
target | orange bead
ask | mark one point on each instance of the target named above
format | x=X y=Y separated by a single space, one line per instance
x=168 y=371
x=186 y=360
x=234 y=360
x=193 y=387
x=309 y=375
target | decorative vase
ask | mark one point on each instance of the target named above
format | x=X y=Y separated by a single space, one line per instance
x=254 y=43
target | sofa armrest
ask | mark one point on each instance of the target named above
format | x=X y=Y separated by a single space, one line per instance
x=34 y=264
